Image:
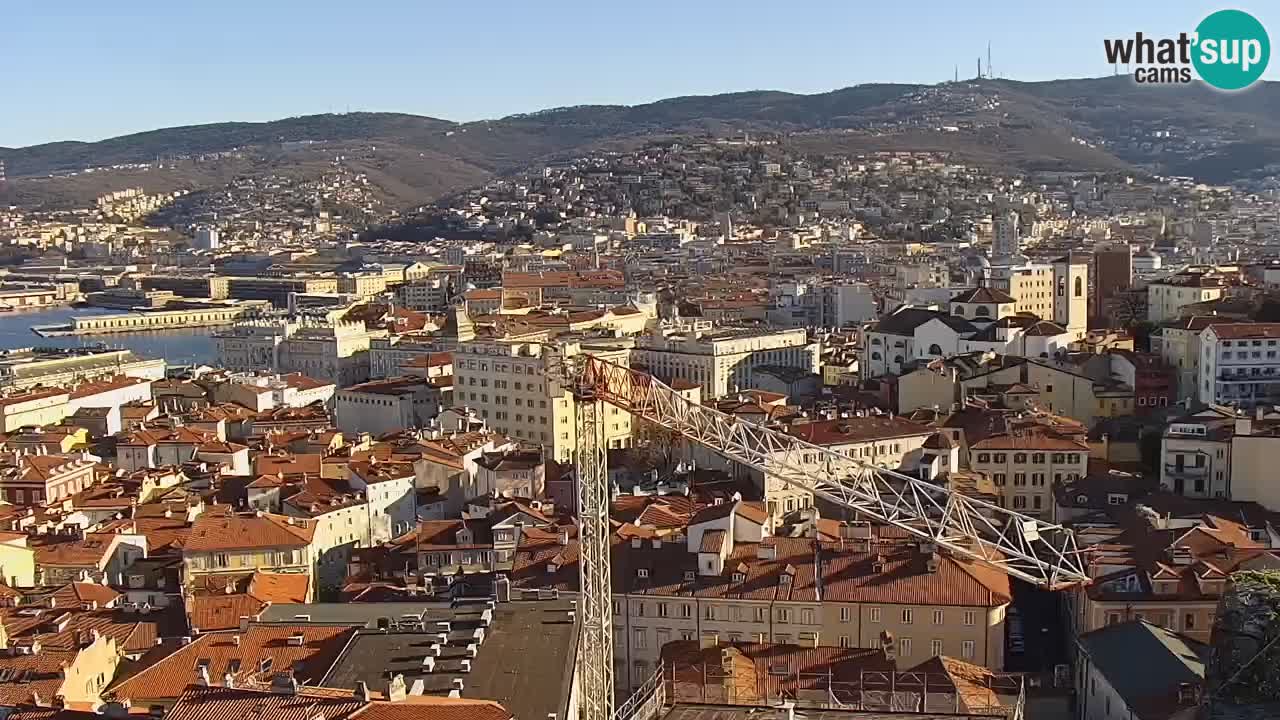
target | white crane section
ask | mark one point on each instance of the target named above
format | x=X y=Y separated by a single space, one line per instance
x=1040 y=553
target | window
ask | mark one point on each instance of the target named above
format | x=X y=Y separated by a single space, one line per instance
x=844 y=641
x=709 y=612
x=1079 y=286
x=806 y=616
x=935 y=349
x=937 y=617
x=904 y=647
x=1000 y=478
x=662 y=609
x=759 y=614
x=1019 y=502
x=984 y=457
x=966 y=649
x=686 y=611
x=935 y=648
x=970 y=617
x=639 y=609
x=1037 y=458
x=845 y=614
x=1001 y=457
x=875 y=614
x=784 y=615
x=1019 y=478
x=906 y=616
x=1020 y=457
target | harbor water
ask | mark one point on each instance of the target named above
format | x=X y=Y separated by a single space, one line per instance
x=183 y=346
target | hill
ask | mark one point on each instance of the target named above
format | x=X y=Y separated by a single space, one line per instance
x=1099 y=124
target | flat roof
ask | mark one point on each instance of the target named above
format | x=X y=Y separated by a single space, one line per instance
x=526 y=661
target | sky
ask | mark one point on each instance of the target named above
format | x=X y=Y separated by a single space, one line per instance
x=88 y=70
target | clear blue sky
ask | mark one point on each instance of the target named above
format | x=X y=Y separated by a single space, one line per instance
x=88 y=69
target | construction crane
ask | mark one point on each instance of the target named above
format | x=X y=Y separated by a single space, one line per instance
x=1040 y=553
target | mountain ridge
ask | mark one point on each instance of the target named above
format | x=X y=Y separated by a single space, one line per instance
x=1104 y=124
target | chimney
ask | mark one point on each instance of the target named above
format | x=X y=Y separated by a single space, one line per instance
x=766 y=550
x=396 y=691
x=362 y=691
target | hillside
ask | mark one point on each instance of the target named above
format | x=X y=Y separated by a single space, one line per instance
x=1083 y=124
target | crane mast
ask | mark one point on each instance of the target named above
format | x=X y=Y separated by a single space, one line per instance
x=1040 y=553
x=595 y=600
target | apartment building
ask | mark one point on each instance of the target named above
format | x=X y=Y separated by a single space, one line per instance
x=331 y=350
x=1178 y=344
x=35 y=408
x=1166 y=298
x=26 y=368
x=1255 y=446
x=387 y=405
x=430 y=294
x=723 y=578
x=246 y=542
x=1030 y=286
x=278 y=289
x=1025 y=466
x=40 y=479
x=894 y=443
x=1195 y=454
x=513 y=385
x=389 y=490
x=264 y=392
x=722 y=360
x=1167 y=561
x=1240 y=364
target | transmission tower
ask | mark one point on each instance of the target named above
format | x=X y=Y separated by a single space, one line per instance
x=595 y=600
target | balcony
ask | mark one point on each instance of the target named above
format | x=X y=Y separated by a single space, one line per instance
x=1189 y=472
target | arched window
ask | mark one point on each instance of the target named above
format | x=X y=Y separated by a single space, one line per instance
x=935 y=349
x=982 y=311
x=959 y=310
x=897 y=359
x=875 y=356
x=875 y=341
x=1079 y=287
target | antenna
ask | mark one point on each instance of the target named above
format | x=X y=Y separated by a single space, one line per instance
x=979 y=67
x=957 y=79
x=989 y=73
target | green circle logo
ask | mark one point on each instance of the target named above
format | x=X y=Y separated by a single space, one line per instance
x=1232 y=49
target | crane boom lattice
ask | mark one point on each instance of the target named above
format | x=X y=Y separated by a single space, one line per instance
x=1038 y=552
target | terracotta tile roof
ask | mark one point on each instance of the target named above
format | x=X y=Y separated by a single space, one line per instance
x=856 y=429
x=93 y=388
x=712 y=541
x=1237 y=331
x=287 y=464
x=242 y=655
x=207 y=613
x=758 y=673
x=85 y=594
x=443 y=535
x=221 y=703
x=92 y=551
x=35 y=674
x=1030 y=441
x=247 y=531
x=847 y=575
x=428 y=707
x=280 y=587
